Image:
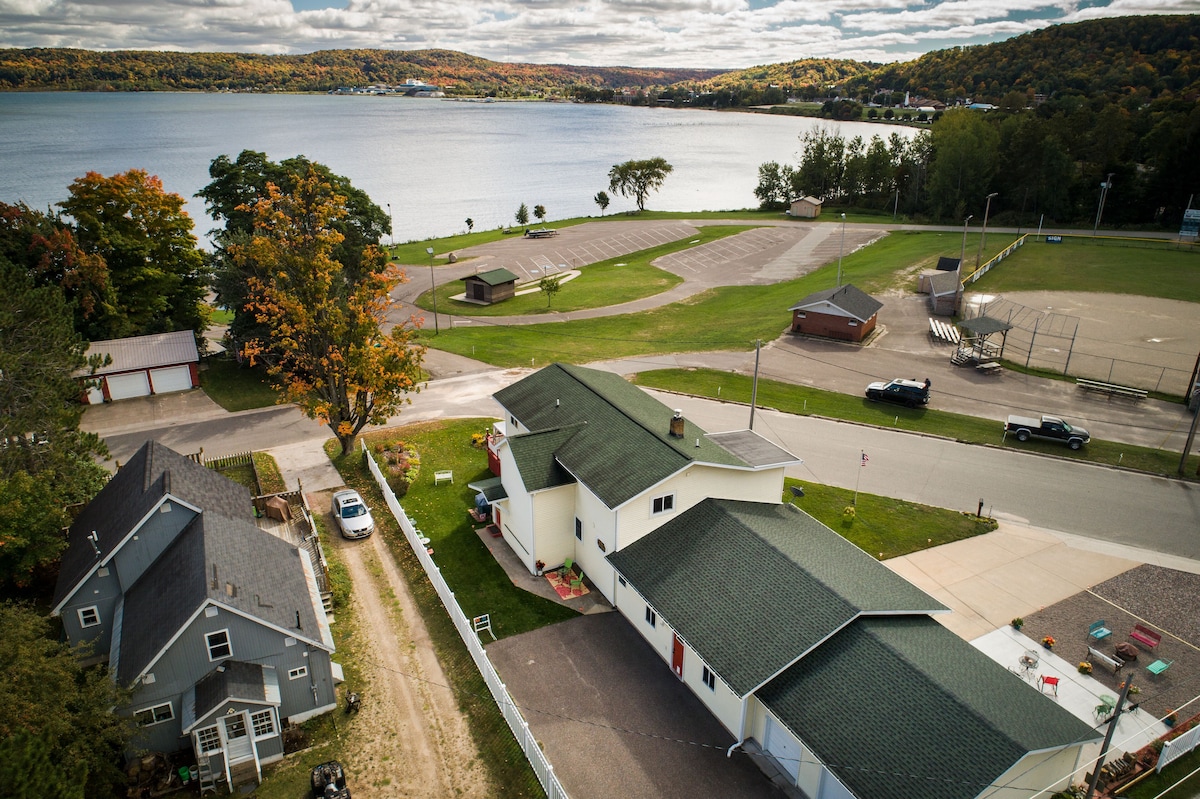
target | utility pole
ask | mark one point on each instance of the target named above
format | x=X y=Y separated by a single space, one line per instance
x=1108 y=736
x=1104 y=187
x=754 y=389
x=983 y=233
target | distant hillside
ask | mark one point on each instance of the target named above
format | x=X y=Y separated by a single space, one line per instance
x=138 y=70
x=810 y=72
x=1144 y=57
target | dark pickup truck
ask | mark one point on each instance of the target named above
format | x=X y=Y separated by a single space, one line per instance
x=1050 y=427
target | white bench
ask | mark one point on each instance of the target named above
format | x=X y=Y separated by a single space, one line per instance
x=1111 y=388
x=1113 y=662
x=445 y=476
x=943 y=331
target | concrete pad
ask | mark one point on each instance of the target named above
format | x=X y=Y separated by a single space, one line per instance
x=142 y=413
x=306 y=464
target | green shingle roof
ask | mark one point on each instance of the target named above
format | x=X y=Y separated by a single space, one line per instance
x=899 y=707
x=494 y=277
x=753 y=586
x=534 y=455
x=621 y=425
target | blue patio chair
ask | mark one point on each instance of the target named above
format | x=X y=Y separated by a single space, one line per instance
x=1098 y=631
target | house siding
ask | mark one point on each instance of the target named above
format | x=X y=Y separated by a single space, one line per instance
x=103 y=592
x=1034 y=773
x=553 y=525
x=516 y=517
x=599 y=524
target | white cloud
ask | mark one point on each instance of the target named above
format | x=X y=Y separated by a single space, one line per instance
x=680 y=33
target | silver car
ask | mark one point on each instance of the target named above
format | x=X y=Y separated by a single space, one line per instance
x=352 y=514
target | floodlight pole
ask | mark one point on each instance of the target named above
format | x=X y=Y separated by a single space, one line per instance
x=983 y=233
x=391 y=226
x=1104 y=187
x=841 y=250
x=963 y=254
x=433 y=287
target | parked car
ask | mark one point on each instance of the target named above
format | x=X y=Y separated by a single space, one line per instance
x=329 y=781
x=905 y=392
x=352 y=514
x=1048 y=427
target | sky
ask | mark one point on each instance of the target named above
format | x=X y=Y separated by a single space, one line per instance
x=713 y=34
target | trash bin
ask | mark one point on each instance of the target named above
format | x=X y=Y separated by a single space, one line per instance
x=185 y=774
x=194 y=773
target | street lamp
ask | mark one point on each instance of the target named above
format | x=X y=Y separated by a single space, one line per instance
x=433 y=286
x=963 y=254
x=391 y=226
x=1104 y=187
x=841 y=250
x=983 y=233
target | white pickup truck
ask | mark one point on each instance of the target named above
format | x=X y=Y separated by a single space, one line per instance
x=1051 y=427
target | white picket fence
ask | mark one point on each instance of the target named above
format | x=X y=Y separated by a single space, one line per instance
x=1178 y=747
x=466 y=629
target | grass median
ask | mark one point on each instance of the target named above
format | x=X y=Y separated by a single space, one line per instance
x=806 y=401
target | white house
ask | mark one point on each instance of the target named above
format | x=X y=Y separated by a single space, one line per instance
x=803 y=646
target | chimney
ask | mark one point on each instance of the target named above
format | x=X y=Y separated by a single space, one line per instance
x=677 y=424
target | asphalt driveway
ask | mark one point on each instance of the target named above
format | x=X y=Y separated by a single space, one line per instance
x=615 y=721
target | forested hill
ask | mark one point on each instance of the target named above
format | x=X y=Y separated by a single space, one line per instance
x=1144 y=57
x=141 y=70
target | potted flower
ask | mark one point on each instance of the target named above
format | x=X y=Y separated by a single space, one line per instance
x=1017 y=623
x=1171 y=719
x=1049 y=642
x=1085 y=667
x=540 y=566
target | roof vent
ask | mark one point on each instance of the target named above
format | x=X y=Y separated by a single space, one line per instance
x=556 y=403
x=677 y=424
x=94 y=540
x=697 y=443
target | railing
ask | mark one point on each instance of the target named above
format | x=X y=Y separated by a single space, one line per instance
x=466 y=630
x=1178 y=747
x=983 y=270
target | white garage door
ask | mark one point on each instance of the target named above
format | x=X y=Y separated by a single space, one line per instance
x=133 y=384
x=783 y=747
x=171 y=378
x=95 y=395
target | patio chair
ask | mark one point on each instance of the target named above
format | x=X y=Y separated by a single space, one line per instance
x=1045 y=682
x=567 y=568
x=577 y=583
x=1098 y=630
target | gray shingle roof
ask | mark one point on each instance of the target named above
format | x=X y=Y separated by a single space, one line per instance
x=494 y=277
x=944 y=283
x=146 y=352
x=860 y=305
x=890 y=703
x=753 y=586
x=266 y=572
x=233 y=680
x=152 y=472
x=621 y=425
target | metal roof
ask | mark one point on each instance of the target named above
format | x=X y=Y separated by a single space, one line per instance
x=146 y=352
x=984 y=325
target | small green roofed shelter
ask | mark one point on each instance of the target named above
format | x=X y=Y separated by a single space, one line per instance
x=489 y=287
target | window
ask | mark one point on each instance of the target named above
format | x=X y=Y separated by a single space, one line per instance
x=263 y=723
x=663 y=504
x=155 y=715
x=578 y=529
x=709 y=679
x=219 y=647
x=209 y=739
x=651 y=616
x=89 y=617
x=621 y=580
x=295 y=674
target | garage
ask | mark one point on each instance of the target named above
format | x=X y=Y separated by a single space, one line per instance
x=173 y=378
x=140 y=366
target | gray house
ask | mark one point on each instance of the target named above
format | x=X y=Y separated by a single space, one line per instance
x=216 y=625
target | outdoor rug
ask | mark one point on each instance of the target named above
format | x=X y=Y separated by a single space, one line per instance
x=563 y=587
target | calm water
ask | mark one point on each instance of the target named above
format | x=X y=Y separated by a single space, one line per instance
x=435 y=162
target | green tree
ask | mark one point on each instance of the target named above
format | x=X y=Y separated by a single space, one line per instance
x=774 y=189
x=470 y=224
x=965 y=152
x=47 y=697
x=539 y=211
x=155 y=269
x=322 y=337
x=46 y=463
x=230 y=198
x=821 y=165
x=523 y=214
x=636 y=179
x=601 y=199
x=550 y=286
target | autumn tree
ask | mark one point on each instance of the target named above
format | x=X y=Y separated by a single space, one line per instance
x=636 y=179
x=51 y=707
x=155 y=269
x=320 y=321
x=46 y=462
x=237 y=185
x=601 y=199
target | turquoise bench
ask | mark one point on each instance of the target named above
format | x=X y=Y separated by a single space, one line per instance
x=1159 y=666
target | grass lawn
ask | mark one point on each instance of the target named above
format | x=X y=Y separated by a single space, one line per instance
x=612 y=282
x=1154 y=786
x=885 y=527
x=1148 y=269
x=728 y=318
x=235 y=387
x=270 y=480
x=805 y=401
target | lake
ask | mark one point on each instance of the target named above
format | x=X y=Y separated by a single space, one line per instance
x=434 y=162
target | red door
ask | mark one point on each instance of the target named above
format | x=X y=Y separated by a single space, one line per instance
x=677 y=658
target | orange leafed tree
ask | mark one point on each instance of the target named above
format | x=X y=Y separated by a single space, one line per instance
x=324 y=343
